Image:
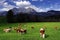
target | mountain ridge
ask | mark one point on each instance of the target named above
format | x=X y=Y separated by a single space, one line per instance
x=31 y=11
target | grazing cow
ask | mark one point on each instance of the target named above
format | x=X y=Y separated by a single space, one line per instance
x=7 y=30
x=45 y=27
x=32 y=27
x=42 y=33
x=56 y=27
x=21 y=30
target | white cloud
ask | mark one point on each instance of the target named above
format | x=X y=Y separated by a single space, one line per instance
x=22 y=3
x=34 y=7
x=26 y=4
x=6 y=6
x=4 y=9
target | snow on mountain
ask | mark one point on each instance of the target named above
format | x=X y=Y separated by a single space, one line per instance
x=23 y=9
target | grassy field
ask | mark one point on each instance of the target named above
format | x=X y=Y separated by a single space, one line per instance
x=32 y=34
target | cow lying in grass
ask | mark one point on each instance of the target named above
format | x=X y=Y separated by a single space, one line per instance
x=7 y=30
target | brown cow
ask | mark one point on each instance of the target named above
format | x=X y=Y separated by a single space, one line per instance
x=21 y=30
x=56 y=28
x=44 y=27
x=32 y=27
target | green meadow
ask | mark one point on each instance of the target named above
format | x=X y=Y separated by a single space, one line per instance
x=32 y=34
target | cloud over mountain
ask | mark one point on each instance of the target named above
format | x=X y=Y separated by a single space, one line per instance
x=22 y=3
x=25 y=4
x=6 y=5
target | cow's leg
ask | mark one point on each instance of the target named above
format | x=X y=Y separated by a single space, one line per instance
x=43 y=35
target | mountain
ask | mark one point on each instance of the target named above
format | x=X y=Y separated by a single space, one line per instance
x=18 y=10
x=31 y=11
x=3 y=13
x=53 y=12
x=23 y=10
x=48 y=13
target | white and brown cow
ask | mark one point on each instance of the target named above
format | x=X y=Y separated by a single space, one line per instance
x=42 y=33
x=21 y=30
x=7 y=30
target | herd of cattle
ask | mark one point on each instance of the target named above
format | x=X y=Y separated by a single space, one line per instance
x=17 y=29
x=20 y=30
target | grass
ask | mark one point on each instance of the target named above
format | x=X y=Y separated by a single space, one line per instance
x=32 y=34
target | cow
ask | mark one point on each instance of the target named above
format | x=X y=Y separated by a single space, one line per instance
x=7 y=30
x=32 y=27
x=21 y=30
x=44 y=27
x=56 y=28
x=42 y=33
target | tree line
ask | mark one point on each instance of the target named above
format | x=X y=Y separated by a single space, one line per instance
x=29 y=17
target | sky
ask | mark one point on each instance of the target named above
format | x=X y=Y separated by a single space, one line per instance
x=38 y=5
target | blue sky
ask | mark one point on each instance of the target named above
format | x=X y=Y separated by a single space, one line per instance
x=38 y=5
